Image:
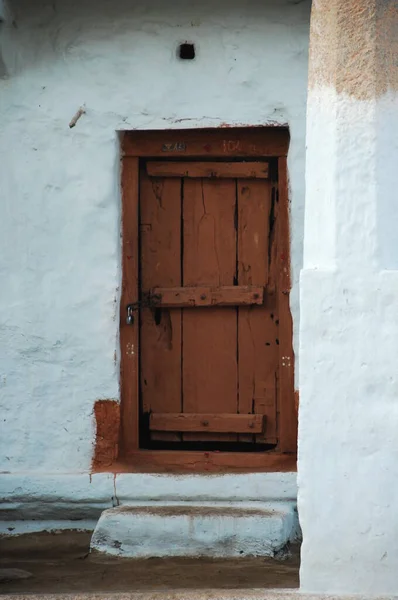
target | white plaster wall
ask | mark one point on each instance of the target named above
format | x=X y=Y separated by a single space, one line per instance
x=60 y=201
x=348 y=454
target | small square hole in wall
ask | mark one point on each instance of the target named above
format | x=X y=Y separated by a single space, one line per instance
x=186 y=51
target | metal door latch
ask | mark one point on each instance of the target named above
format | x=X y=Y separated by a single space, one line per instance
x=148 y=301
x=130 y=316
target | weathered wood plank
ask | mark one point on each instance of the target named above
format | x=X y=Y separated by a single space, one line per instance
x=214 y=170
x=209 y=334
x=212 y=462
x=208 y=296
x=257 y=329
x=237 y=142
x=160 y=339
x=219 y=423
x=287 y=411
x=129 y=334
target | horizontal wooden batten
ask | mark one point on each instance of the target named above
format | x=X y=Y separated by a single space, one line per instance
x=216 y=423
x=214 y=170
x=208 y=296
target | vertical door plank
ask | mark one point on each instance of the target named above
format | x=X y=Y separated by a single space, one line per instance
x=160 y=339
x=257 y=327
x=209 y=334
x=287 y=411
x=129 y=333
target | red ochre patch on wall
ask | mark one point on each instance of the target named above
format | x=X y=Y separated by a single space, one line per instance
x=107 y=434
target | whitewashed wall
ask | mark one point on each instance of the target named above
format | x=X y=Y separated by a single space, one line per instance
x=348 y=468
x=60 y=199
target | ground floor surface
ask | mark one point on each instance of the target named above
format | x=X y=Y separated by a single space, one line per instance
x=61 y=563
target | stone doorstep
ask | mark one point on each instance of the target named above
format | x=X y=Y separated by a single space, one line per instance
x=210 y=594
x=193 y=530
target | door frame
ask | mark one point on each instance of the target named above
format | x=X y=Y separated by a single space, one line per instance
x=256 y=142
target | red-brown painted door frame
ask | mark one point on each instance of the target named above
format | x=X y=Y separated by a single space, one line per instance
x=217 y=143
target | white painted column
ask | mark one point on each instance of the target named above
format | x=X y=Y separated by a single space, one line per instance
x=348 y=432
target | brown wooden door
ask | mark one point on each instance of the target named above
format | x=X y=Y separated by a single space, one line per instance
x=209 y=312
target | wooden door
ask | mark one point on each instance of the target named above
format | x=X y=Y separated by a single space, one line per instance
x=208 y=299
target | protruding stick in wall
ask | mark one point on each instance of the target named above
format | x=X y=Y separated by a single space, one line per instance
x=77 y=116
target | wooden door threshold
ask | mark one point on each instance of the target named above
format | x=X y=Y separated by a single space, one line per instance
x=174 y=461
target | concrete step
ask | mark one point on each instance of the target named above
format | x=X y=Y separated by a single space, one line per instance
x=194 y=530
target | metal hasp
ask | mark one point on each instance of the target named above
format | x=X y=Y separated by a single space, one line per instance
x=130 y=316
x=147 y=301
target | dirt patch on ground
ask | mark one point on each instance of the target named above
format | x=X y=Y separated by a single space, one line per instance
x=61 y=563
